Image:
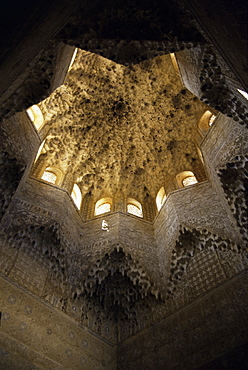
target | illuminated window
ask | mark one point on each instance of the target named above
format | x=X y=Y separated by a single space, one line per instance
x=53 y=175
x=49 y=177
x=174 y=62
x=245 y=95
x=76 y=196
x=39 y=151
x=35 y=116
x=73 y=59
x=190 y=180
x=206 y=121
x=160 y=198
x=211 y=120
x=134 y=207
x=103 y=206
x=186 y=178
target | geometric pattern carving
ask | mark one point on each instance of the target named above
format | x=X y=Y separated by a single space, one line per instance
x=234 y=180
x=215 y=90
x=44 y=245
x=11 y=171
x=136 y=141
x=204 y=272
x=203 y=268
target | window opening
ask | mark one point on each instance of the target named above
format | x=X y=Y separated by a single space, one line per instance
x=73 y=59
x=103 y=208
x=53 y=175
x=245 y=94
x=174 y=62
x=35 y=116
x=131 y=208
x=160 y=198
x=76 y=196
x=49 y=177
x=190 y=180
x=186 y=178
x=103 y=205
x=134 y=207
x=206 y=121
x=39 y=151
x=211 y=120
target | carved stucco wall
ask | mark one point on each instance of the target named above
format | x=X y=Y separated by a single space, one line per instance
x=183 y=339
x=169 y=289
x=88 y=242
x=186 y=252
x=34 y=335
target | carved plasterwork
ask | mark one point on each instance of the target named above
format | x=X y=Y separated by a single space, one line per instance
x=234 y=182
x=141 y=112
x=122 y=128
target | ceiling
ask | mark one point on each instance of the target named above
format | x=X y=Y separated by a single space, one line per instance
x=129 y=128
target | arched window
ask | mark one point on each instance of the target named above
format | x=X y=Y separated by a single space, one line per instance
x=134 y=207
x=174 y=62
x=76 y=196
x=211 y=120
x=189 y=180
x=39 y=151
x=35 y=116
x=160 y=198
x=52 y=175
x=103 y=205
x=186 y=178
x=206 y=121
x=49 y=176
x=245 y=95
x=73 y=59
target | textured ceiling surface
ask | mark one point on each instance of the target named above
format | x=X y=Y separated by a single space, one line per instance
x=115 y=127
x=125 y=130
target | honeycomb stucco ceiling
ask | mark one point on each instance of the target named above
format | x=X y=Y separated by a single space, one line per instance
x=129 y=128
